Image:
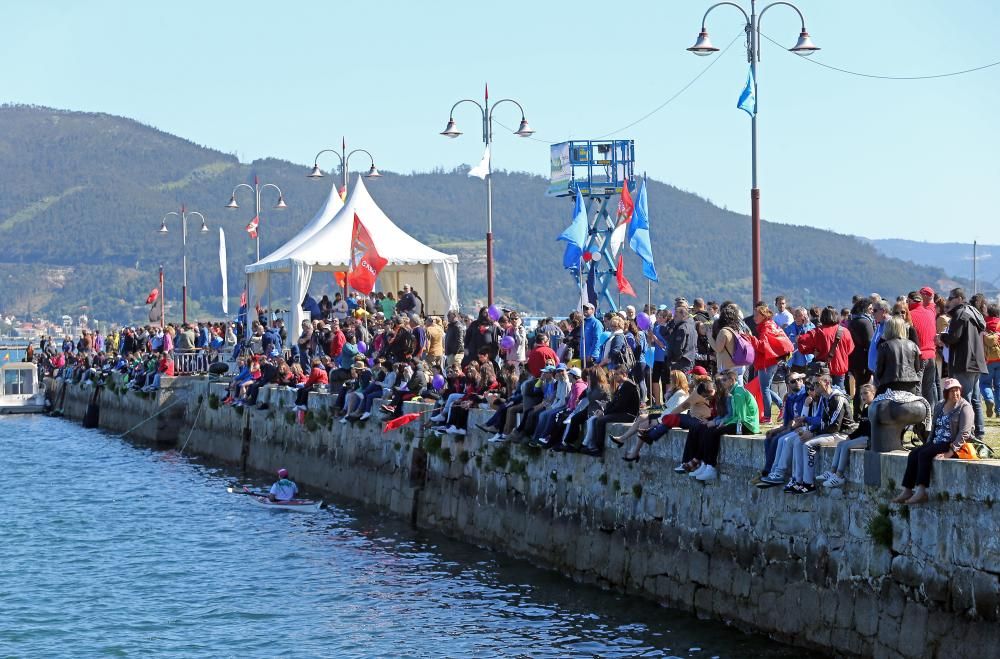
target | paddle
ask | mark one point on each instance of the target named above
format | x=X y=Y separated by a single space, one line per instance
x=245 y=490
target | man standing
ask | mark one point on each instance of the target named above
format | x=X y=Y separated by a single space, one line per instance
x=923 y=315
x=683 y=341
x=880 y=312
x=966 y=359
x=589 y=347
x=453 y=339
x=799 y=326
x=782 y=316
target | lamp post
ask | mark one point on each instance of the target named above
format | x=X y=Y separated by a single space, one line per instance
x=256 y=188
x=451 y=130
x=805 y=47
x=183 y=215
x=345 y=159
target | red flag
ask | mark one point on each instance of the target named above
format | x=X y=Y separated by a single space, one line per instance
x=153 y=294
x=252 y=227
x=400 y=421
x=340 y=278
x=753 y=386
x=365 y=260
x=623 y=285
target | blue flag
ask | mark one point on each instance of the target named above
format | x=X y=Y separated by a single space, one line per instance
x=575 y=234
x=638 y=234
x=748 y=99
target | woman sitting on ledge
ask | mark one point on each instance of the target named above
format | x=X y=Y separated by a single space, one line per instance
x=952 y=427
x=678 y=392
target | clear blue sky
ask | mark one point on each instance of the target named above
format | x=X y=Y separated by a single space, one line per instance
x=870 y=157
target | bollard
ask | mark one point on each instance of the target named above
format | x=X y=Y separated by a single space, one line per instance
x=889 y=421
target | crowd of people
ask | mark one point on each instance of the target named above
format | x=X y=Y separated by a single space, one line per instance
x=559 y=384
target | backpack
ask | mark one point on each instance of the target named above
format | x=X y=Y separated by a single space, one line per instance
x=991 y=346
x=743 y=353
x=627 y=354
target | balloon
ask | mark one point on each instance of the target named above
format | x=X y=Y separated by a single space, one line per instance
x=508 y=343
x=596 y=256
x=437 y=382
x=587 y=256
x=371 y=362
x=362 y=348
x=494 y=312
x=642 y=320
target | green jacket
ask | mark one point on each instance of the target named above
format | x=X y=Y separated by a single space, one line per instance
x=743 y=410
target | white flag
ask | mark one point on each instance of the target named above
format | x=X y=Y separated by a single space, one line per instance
x=618 y=237
x=222 y=267
x=483 y=168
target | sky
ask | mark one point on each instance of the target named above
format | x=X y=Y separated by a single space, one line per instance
x=880 y=158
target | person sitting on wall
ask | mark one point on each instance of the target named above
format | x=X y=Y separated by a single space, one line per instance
x=622 y=408
x=952 y=427
x=284 y=489
x=836 y=422
x=858 y=439
x=791 y=413
x=739 y=417
x=695 y=410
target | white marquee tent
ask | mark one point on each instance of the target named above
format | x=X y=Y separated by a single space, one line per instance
x=327 y=249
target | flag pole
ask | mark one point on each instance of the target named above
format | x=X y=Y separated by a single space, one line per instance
x=583 y=333
x=162 y=319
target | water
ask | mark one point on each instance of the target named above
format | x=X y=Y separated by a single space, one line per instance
x=114 y=549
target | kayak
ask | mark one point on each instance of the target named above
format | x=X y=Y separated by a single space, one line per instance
x=298 y=505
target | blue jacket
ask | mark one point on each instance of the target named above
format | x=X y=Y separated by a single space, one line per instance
x=873 y=347
x=793 y=406
x=592 y=337
x=794 y=331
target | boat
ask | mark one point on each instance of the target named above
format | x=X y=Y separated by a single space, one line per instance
x=298 y=505
x=20 y=389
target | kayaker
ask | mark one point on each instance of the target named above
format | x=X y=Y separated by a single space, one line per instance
x=284 y=489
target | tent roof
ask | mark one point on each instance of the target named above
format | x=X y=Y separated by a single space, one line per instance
x=327 y=212
x=330 y=246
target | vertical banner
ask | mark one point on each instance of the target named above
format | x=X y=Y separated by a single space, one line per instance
x=222 y=268
x=560 y=170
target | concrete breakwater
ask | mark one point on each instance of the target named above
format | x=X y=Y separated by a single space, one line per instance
x=836 y=571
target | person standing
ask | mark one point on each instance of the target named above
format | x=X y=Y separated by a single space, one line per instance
x=966 y=361
x=590 y=346
x=782 y=316
x=923 y=315
x=453 y=339
x=682 y=343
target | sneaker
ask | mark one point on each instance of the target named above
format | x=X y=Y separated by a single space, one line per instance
x=698 y=472
x=834 y=481
x=764 y=484
x=451 y=430
x=365 y=416
x=825 y=475
x=496 y=438
x=679 y=469
x=756 y=479
x=773 y=479
x=437 y=418
x=804 y=488
x=990 y=408
x=709 y=474
x=459 y=431
x=790 y=487
x=343 y=420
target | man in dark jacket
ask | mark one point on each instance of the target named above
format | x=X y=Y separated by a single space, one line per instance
x=483 y=333
x=683 y=341
x=622 y=408
x=862 y=329
x=453 y=336
x=966 y=359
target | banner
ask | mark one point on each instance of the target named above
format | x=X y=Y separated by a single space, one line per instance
x=561 y=172
x=365 y=260
x=222 y=268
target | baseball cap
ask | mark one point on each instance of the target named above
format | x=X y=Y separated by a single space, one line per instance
x=548 y=369
x=950 y=383
x=575 y=372
x=561 y=367
x=699 y=370
x=588 y=305
x=928 y=291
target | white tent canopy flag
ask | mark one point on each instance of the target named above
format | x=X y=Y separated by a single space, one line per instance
x=432 y=273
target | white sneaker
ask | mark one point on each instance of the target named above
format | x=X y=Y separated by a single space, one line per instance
x=452 y=430
x=343 y=419
x=497 y=438
x=438 y=418
x=366 y=416
x=679 y=469
x=697 y=472
x=834 y=481
x=709 y=474
x=459 y=431
x=825 y=475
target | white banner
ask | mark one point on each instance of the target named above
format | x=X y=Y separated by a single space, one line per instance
x=222 y=267
x=561 y=171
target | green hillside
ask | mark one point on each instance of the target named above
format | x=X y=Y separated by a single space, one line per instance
x=82 y=196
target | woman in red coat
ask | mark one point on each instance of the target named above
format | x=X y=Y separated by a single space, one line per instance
x=771 y=346
x=830 y=343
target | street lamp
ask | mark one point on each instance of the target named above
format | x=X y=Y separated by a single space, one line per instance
x=523 y=130
x=183 y=215
x=345 y=159
x=804 y=47
x=256 y=188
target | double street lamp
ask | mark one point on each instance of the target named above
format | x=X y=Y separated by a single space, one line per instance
x=345 y=159
x=256 y=189
x=805 y=47
x=451 y=130
x=183 y=215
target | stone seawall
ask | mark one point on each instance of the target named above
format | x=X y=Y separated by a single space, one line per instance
x=837 y=571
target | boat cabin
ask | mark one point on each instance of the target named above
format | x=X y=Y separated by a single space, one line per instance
x=20 y=391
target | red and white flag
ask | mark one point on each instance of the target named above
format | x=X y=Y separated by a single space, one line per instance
x=626 y=206
x=252 y=227
x=366 y=262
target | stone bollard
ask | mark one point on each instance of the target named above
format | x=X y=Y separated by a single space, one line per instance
x=889 y=420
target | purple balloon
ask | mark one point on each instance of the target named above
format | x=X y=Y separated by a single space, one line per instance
x=437 y=382
x=642 y=320
x=494 y=312
x=371 y=362
x=508 y=343
x=362 y=348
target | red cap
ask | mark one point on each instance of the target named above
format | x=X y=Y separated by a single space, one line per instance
x=928 y=291
x=699 y=370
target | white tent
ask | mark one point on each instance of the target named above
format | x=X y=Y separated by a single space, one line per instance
x=432 y=273
x=323 y=217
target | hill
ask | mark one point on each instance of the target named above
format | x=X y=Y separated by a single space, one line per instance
x=82 y=196
x=953 y=258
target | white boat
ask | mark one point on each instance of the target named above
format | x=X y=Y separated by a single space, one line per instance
x=20 y=390
x=298 y=505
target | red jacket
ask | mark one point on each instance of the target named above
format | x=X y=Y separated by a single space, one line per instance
x=337 y=341
x=817 y=342
x=317 y=376
x=770 y=345
x=537 y=358
x=925 y=323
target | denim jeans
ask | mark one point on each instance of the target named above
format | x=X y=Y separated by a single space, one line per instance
x=989 y=383
x=766 y=376
x=971 y=393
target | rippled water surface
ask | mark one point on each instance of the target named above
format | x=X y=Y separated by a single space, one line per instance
x=114 y=549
